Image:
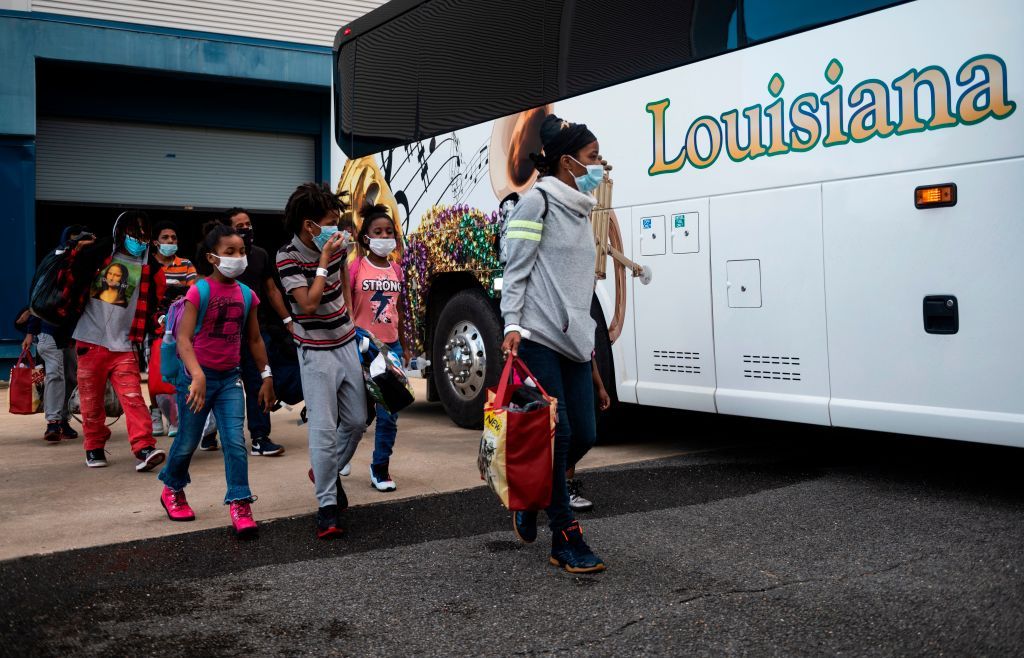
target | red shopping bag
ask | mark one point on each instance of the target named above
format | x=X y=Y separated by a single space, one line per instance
x=157 y=386
x=517 y=446
x=26 y=386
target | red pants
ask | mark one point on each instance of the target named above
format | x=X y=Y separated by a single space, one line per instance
x=97 y=364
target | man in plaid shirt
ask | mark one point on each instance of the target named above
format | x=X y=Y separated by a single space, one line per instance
x=118 y=286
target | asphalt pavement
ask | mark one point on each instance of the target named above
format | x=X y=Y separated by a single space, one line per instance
x=797 y=541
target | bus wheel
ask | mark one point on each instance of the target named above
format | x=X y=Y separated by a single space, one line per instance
x=466 y=356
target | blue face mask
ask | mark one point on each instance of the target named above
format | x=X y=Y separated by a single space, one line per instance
x=134 y=247
x=168 y=249
x=326 y=232
x=589 y=181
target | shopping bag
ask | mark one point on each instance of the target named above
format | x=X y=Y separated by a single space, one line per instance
x=26 y=386
x=516 y=455
x=386 y=381
x=111 y=405
x=157 y=386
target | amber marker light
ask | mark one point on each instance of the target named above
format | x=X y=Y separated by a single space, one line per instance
x=935 y=196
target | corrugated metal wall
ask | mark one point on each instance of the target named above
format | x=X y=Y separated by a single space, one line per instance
x=309 y=22
x=121 y=163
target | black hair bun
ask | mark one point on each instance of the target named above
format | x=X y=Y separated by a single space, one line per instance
x=549 y=128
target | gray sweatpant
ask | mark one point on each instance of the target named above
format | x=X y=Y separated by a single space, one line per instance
x=61 y=377
x=332 y=385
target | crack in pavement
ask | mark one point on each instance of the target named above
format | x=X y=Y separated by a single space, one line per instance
x=804 y=581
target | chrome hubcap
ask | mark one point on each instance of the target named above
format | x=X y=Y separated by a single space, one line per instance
x=465 y=361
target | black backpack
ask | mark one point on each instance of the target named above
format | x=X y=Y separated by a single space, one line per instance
x=505 y=209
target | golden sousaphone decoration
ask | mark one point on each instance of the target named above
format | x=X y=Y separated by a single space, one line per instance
x=362 y=181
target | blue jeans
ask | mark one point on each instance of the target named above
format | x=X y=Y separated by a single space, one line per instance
x=572 y=384
x=259 y=420
x=224 y=398
x=387 y=425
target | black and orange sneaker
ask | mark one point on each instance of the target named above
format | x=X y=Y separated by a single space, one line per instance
x=569 y=551
x=327 y=523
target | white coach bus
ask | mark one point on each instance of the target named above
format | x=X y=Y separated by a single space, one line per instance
x=827 y=193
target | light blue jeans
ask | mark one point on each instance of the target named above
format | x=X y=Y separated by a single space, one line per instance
x=225 y=398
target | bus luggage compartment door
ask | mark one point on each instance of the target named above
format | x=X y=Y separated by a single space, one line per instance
x=674 y=342
x=924 y=316
x=769 y=301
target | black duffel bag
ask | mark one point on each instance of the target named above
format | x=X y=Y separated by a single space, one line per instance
x=49 y=297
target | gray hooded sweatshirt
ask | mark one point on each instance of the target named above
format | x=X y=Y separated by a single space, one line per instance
x=549 y=273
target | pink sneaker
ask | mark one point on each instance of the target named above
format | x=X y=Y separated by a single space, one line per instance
x=176 y=506
x=241 y=519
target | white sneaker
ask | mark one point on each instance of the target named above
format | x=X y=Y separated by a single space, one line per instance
x=577 y=502
x=158 y=422
x=172 y=431
x=385 y=483
x=346 y=469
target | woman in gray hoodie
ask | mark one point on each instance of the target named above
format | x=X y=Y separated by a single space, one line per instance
x=545 y=303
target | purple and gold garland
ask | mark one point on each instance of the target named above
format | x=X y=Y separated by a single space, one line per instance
x=449 y=239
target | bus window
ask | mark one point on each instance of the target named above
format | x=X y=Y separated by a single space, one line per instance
x=610 y=41
x=443 y=66
x=765 y=19
x=487 y=63
x=714 y=27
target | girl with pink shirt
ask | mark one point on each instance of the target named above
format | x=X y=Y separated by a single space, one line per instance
x=377 y=285
x=223 y=310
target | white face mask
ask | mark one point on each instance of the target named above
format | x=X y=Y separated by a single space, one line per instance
x=232 y=268
x=382 y=246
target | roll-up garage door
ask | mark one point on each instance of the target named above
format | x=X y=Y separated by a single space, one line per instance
x=155 y=165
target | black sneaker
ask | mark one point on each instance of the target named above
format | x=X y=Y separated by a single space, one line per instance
x=208 y=442
x=524 y=524
x=67 y=432
x=264 y=446
x=149 y=458
x=95 y=458
x=52 y=434
x=569 y=551
x=577 y=502
x=327 y=522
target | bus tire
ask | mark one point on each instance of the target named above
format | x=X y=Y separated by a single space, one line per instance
x=466 y=356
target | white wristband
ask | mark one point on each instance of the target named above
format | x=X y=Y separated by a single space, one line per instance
x=266 y=373
x=321 y=271
x=516 y=328
x=287 y=320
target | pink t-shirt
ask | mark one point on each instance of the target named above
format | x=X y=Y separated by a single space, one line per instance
x=375 y=294
x=218 y=344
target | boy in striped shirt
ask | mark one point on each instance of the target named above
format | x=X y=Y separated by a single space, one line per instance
x=315 y=279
